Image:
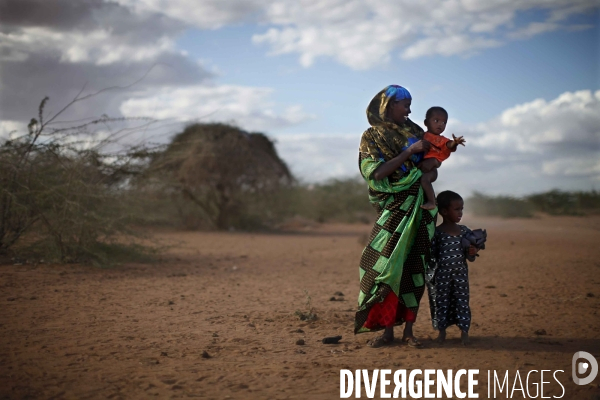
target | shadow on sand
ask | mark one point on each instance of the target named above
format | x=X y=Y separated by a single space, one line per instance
x=530 y=344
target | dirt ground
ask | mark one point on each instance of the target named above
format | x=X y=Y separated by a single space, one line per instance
x=216 y=318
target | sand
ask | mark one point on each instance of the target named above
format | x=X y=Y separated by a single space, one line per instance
x=216 y=318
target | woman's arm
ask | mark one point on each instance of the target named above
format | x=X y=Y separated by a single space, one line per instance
x=388 y=167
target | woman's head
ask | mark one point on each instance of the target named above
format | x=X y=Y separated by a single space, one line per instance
x=450 y=206
x=436 y=119
x=398 y=107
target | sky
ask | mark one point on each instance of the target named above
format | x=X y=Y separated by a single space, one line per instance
x=520 y=79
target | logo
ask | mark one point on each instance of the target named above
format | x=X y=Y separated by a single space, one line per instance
x=582 y=367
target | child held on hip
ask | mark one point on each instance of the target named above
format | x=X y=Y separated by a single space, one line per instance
x=436 y=119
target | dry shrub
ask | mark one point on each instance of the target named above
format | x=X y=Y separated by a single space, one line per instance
x=64 y=195
x=217 y=176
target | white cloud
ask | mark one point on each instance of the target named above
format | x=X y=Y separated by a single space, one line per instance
x=249 y=107
x=531 y=147
x=317 y=158
x=572 y=165
x=10 y=129
x=103 y=44
x=448 y=46
x=361 y=34
x=572 y=118
x=364 y=33
x=98 y=47
x=205 y=14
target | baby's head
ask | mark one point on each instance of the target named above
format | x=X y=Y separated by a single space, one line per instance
x=435 y=120
x=450 y=206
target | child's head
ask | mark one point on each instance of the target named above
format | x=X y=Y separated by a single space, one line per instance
x=436 y=119
x=450 y=206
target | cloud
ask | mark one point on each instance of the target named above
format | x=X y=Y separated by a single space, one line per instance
x=317 y=158
x=59 y=48
x=248 y=107
x=569 y=122
x=10 y=129
x=100 y=47
x=363 y=34
x=534 y=146
x=205 y=14
x=24 y=84
x=448 y=46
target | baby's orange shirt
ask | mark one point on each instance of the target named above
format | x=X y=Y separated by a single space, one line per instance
x=438 y=149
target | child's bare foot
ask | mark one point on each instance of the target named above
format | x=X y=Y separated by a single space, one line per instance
x=441 y=337
x=464 y=338
x=428 y=206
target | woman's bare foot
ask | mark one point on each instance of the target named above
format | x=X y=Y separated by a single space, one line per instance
x=388 y=334
x=408 y=337
x=464 y=338
x=412 y=341
x=441 y=337
x=428 y=206
x=386 y=339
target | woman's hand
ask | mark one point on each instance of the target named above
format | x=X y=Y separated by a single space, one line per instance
x=473 y=250
x=420 y=146
x=390 y=166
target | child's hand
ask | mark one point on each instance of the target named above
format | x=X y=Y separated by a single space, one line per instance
x=458 y=140
x=473 y=250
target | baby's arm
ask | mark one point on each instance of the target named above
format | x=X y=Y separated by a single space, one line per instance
x=453 y=144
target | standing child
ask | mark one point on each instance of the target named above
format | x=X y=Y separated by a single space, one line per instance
x=448 y=276
x=436 y=119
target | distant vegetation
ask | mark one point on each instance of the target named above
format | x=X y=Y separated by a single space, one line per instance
x=554 y=202
x=66 y=196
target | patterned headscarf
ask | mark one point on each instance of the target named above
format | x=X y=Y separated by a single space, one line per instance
x=385 y=139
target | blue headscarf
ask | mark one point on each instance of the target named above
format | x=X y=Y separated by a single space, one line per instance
x=397 y=93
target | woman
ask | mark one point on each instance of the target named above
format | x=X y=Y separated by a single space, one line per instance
x=392 y=265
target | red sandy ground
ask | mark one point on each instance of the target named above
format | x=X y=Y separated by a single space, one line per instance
x=139 y=331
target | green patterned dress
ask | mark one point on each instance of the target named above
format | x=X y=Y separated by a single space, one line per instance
x=393 y=264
